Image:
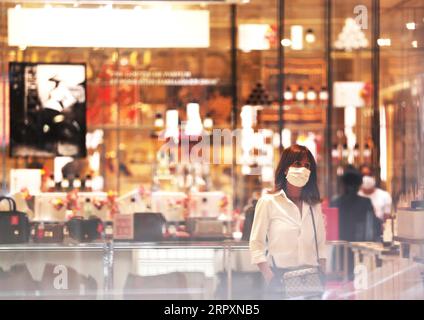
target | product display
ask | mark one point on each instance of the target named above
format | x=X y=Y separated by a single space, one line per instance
x=145 y=227
x=207 y=229
x=47 y=232
x=14 y=225
x=85 y=230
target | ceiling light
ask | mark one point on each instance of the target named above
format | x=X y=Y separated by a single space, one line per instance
x=310 y=36
x=411 y=25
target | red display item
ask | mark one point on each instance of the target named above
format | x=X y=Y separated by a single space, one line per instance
x=14 y=220
x=47 y=232
x=331 y=217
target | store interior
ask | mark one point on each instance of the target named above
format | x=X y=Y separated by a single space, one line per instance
x=183 y=108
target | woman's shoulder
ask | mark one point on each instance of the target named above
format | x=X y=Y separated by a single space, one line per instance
x=268 y=196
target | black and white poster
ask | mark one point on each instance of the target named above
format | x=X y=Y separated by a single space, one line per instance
x=47 y=109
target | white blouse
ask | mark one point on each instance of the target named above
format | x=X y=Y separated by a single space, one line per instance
x=288 y=236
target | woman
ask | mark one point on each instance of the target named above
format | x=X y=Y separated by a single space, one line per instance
x=283 y=223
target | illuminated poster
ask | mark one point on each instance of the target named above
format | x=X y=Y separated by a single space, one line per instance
x=47 y=109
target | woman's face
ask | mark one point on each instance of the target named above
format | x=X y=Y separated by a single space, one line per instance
x=304 y=163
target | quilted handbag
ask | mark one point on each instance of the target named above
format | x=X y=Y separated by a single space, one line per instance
x=303 y=281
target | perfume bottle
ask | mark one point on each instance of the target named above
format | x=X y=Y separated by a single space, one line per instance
x=76 y=183
x=51 y=185
x=88 y=184
x=64 y=185
x=87 y=209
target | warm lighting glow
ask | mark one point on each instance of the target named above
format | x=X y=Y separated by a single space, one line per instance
x=253 y=37
x=33 y=27
x=383 y=144
x=208 y=122
x=323 y=95
x=411 y=25
x=247 y=117
x=194 y=125
x=286 y=42
x=172 y=130
x=300 y=95
x=286 y=138
x=297 y=37
x=414 y=44
x=288 y=94
x=384 y=42
x=158 y=121
x=351 y=37
x=245 y=170
x=310 y=36
x=311 y=95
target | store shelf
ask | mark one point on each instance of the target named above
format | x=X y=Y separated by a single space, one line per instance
x=93 y=246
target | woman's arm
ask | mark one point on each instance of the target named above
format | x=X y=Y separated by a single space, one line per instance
x=321 y=237
x=266 y=271
x=257 y=243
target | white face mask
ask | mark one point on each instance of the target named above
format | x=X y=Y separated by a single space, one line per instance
x=298 y=177
x=368 y=182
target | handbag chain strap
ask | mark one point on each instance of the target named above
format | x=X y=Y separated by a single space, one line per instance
x=315 y=233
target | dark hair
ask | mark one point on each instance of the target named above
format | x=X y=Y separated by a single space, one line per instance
x=352 y=179
x=310 y=193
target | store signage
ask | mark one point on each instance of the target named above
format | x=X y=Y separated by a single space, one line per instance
x=159 y=78
x=108 y=28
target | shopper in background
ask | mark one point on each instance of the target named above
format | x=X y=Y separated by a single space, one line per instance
x=249 y=214
x=380 y=199
x=357 y=221
x=283 y=222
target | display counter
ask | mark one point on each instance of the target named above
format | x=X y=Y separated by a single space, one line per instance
x=382 y=273
x=134 y=270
